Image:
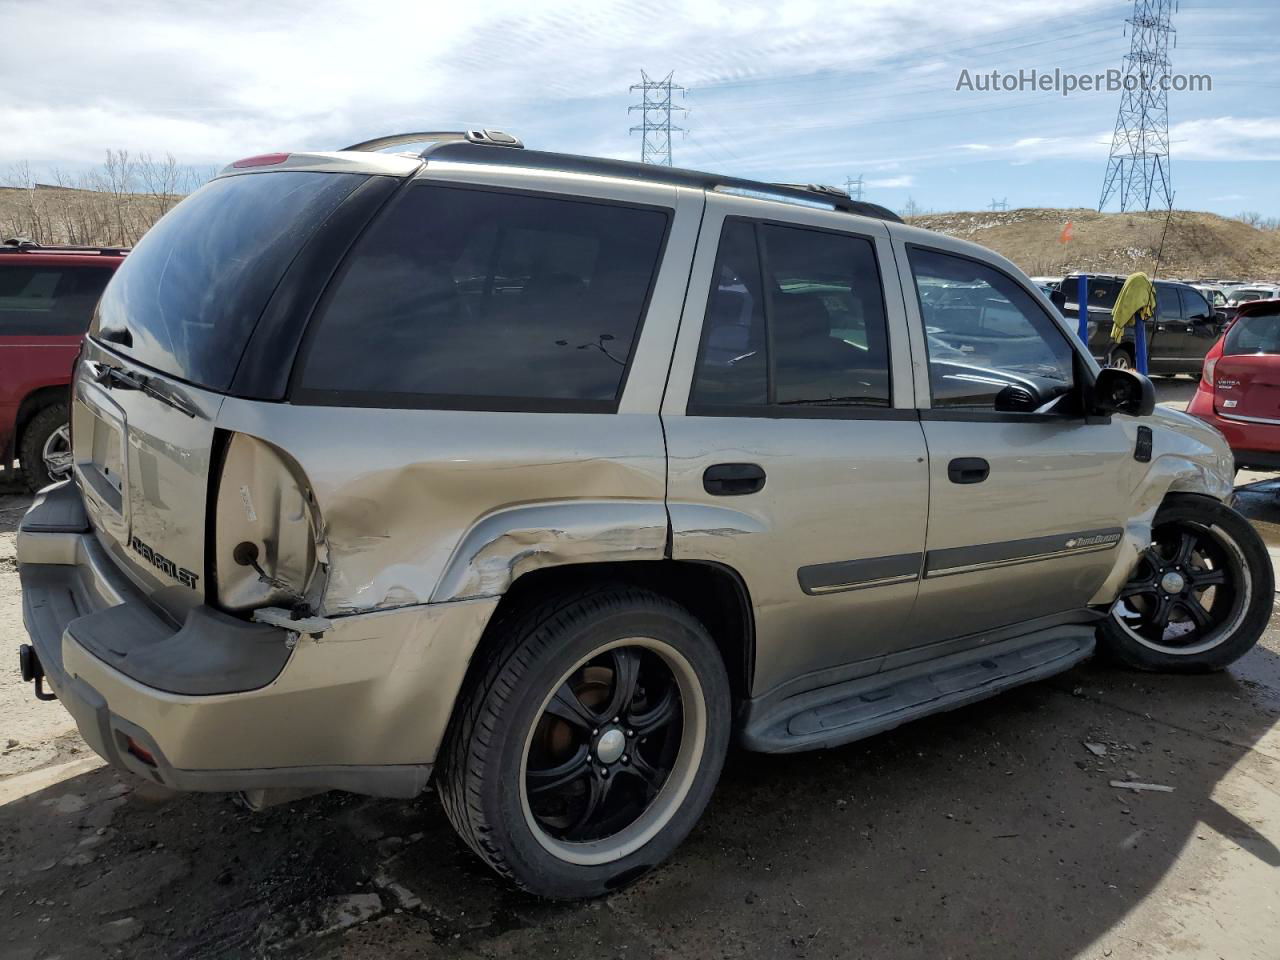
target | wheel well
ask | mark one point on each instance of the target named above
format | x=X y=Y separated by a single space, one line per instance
x=33 y=403
x=713 y=593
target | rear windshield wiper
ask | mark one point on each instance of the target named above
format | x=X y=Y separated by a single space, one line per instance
x=118 y=377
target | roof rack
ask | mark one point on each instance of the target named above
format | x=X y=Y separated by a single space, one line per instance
x=832 y=198
x=488 y=138
x=27 y=245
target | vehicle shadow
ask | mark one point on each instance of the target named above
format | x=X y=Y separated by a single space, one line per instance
x=990 y=831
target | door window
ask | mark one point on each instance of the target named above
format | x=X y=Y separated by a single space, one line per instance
x=48 y=301
x=795 y=317
x=1167 y=308
x=1194 y=305
x=474 y=299
x=985 y=333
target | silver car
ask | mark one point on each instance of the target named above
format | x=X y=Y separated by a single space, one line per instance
x=543 y=478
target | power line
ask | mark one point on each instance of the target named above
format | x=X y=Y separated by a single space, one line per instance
x=655 y=125
x=854 y=187
x=1139 y=162
x=999 y=204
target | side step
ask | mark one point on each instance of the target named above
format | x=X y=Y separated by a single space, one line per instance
x=866 y=706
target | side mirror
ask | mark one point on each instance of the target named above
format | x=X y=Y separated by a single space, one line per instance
x=1123 y=391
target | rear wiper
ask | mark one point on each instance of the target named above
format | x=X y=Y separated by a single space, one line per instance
x=117 y=377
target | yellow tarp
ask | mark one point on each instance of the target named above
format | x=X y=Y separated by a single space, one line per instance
x=1137 y=298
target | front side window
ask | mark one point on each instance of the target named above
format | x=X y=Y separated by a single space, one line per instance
x=463 y=297
x=1167 y=308
x=985 y=333
x=48 y=301
x=1194 y=305
x=795 y=317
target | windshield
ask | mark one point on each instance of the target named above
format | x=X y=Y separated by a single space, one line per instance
x=187 y=298
x=1253 y=333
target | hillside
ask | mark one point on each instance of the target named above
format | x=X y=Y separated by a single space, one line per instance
x=53 y=214
x=1197 y=245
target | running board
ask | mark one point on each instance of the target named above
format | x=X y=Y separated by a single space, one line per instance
x=866 y=706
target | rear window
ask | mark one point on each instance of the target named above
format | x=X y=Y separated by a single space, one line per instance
x=1253 y=333
x=460 y=297
x=187 y=298
x=51 y=301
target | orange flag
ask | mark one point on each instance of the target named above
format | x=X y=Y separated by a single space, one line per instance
x=1066 y=233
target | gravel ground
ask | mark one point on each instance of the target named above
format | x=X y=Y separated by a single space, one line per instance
x=988 y=832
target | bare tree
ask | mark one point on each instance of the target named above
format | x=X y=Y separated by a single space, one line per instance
x=113 y=204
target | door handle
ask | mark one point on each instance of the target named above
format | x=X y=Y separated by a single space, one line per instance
x=732 y=479
x=968 y=470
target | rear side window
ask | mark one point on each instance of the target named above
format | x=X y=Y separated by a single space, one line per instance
x=48 y=301
x=819 y=296
x=186 y=300
x=1254 y=333
x=468 y=298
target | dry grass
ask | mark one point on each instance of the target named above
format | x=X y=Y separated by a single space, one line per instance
x=1197 y=244
x=113 y=205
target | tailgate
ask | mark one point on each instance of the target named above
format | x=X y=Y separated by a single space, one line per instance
x=142 y=464
x=1248 y=386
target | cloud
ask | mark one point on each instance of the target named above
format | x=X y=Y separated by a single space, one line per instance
x=210 y=80
x=889 y=182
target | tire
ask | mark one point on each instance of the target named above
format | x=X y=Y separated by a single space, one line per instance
x=41 y=433
x=1122 y=357
x=493 y=781
x=1225 y=574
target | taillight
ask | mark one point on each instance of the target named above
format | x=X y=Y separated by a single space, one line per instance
x=266 y=530
x=1206 y=374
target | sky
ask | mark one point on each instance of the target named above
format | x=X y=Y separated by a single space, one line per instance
x=782 y=91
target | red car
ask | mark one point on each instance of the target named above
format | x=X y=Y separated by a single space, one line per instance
x=47 y=296
x=1239 y=390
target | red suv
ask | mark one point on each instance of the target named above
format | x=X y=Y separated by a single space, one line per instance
x=1239 y=391
x=47 y=296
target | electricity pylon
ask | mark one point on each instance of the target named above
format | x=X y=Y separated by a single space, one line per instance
x=1138 y=167
x=655 y=114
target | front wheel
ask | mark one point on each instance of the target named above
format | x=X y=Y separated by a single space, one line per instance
x=1200 y=595
x=591 y=744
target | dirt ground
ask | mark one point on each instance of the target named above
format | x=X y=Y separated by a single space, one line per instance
x=989 y=832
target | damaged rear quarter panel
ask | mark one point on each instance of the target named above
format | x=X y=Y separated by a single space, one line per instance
x=399 y=490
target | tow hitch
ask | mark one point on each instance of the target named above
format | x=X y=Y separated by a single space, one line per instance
x=32 y=671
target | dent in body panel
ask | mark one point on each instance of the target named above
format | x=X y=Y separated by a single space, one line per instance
x=513 y=542
x=1188 y=456
x=406 y=488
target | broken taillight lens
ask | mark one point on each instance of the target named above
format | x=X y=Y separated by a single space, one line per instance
x=265 y=530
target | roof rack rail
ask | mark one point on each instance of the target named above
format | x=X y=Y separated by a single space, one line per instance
x=27 y=245
x=831 y=198
x=491 y=138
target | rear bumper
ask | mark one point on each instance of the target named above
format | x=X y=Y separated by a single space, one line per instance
x=1254 y=445
x=220 y=704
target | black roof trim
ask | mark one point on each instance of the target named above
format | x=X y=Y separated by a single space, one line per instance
x=461 y=151
x=25 y=245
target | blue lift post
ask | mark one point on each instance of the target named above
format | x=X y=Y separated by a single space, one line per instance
x=1140 y=345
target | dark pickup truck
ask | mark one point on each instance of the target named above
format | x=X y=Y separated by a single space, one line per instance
x=1178 y=336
